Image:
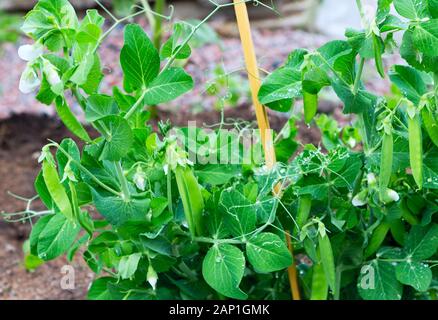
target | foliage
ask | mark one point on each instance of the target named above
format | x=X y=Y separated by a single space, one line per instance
x=169 y=228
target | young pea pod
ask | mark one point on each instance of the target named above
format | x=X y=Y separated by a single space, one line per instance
x=378 y=48
x=304 y=206
x=386 y=160
x=56 y=189
x=431 y=125
x=416 y=149
x=310 y=106
x=192 y=199
x=319 y=283
x=377 y=239
x=327 y=260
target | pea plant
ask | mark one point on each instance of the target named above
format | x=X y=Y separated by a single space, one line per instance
x=151 y=223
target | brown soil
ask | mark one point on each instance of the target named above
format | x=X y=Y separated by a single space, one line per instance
x=21 y=139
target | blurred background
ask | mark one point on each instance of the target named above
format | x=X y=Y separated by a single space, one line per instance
x=217 y=67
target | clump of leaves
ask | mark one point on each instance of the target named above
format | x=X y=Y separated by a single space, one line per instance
x=170 y=228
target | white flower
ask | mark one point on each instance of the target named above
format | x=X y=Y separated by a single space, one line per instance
x=29 y=80
x=390 y=196
x=371 y=178
x=139 y=179
x=51 y=73
x=360 y=199
x=30 y=52
x=152 y=277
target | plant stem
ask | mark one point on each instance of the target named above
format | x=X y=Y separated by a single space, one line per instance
x=123 y=181
x=81 y=167
x=435 y=80
x=358 y=76
x=169 y=191
x=135 y=106
x=159 y=8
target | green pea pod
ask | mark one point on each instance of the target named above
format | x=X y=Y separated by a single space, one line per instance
x=304 y=206
x=378 y=48
x=407 y=214
x=56 y=189
x=416 y=150
x=386 y=160
x=377 y=239
x=398 y=231
x=192 y=199
x=431 y=125
x=319 y=283
x=328 y=261
x=310 y=106
x=70 y=120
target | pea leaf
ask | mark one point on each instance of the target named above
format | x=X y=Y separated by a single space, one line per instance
x=118 y=137
x=56 y=238
x=415 y=274
x=267 y=253
x=422 y=242
x=99 y=289
x=433 y=8
x=223 y=268
x=280 y=88
x=117 y=210
x=35 y=233
x=425 y=37
x=170 y=84
x=100 y=106
x=378 y=282
x=411 y=9
x=409 y=81
x=240 y=213
x=217 y=174
x=139 y=59
x=128 y=265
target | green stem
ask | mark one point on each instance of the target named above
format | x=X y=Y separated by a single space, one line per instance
x=358 y=76
x=85 y=170
x=435 y=80
x=217 y=241
x=123 y=182
x=159 y=8
x=169 y=191
x=135 y=106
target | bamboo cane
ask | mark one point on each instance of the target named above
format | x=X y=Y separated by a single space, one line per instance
x=261 y=115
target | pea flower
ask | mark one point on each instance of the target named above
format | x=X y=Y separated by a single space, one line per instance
x=360 y=199
x=51 y=72
x=30 y=52
x=152 y=277
x=29 y=80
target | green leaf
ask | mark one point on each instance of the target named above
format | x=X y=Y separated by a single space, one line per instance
x=414 y=274
x=409 y=81
x=267 y=253
x=433 y=8
x=353 y=103
x=117 y=210
x=94 y=78
x=118 y=137
x=99 y=289
x=70 y=120
x=411 y=9
x=170 y=84
x=139 y=59
x=240 y=213
x=223 y=268
x=425 y=37
x=35 y=233
x=53 y=22
x=42 y=191
x=56 y=237
x=422 y=242
x=217 y=174
x=378 y=282
x=128 y=265
x=100 y=106
x=280 y=88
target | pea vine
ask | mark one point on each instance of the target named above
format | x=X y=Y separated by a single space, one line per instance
x=151 y=223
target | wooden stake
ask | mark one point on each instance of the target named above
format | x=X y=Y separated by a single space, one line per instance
x=261 y=115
